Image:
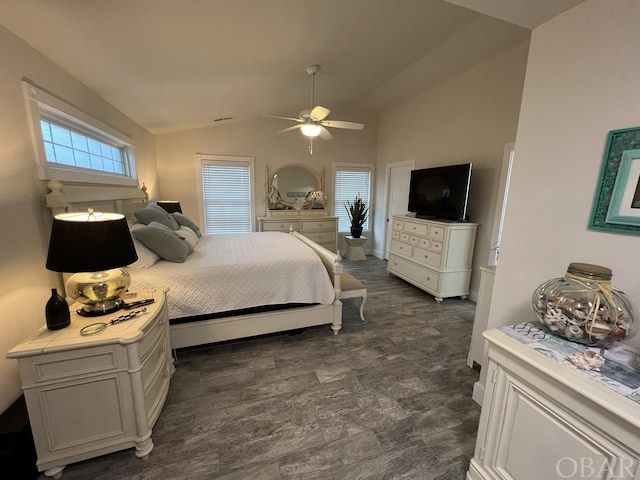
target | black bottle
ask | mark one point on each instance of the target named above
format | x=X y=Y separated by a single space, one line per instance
x=57 y=312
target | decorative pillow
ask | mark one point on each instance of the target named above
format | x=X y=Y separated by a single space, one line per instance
x=160 y=239
x=185 y=221
x=188 y=235
x=154 y=213
x=146 y=258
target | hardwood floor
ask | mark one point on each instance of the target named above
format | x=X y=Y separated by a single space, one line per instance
x=388 y=398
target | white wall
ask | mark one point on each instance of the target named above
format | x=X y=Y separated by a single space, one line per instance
x=178 y=168
x=24 y=282
x=469 y=118
x=582 y=82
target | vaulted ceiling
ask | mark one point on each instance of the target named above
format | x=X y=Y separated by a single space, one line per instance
x=179 y=64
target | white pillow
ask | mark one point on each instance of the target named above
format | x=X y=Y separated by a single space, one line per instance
x=189 y=235
x=146 y=258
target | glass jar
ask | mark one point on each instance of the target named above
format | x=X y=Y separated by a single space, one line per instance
x=584 y=307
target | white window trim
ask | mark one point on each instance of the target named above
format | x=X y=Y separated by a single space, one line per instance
x=371 y=166
x=38 y=100
x=224 y=158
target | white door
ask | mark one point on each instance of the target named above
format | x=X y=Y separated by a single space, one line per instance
x=501 y=206
x=397 y=196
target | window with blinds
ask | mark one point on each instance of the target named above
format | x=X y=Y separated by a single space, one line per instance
x=227 y=186
x=350 y=179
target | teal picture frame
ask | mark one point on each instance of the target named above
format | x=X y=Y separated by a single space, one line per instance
x=608 y=213
x=624 y=208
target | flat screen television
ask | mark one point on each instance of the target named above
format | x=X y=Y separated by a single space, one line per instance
x=440 y=192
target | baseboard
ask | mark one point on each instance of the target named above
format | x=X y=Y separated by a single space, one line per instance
x=478 y=393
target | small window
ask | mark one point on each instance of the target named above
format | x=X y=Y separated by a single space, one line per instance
x=67 y=147
x=351 y=179
x=74 y=146
x=227 y=186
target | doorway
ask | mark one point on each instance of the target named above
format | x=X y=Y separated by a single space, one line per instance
x=398 y=177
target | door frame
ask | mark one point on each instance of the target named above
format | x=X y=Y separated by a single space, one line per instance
x=387 y=185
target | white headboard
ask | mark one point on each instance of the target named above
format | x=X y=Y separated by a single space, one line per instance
x=79 y=198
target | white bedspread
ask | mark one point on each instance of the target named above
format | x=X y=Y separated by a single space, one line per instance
x=235 y=271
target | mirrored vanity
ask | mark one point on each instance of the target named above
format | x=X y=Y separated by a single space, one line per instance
x=296 y=200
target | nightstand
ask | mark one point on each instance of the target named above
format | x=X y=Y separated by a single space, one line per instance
x=91 y=395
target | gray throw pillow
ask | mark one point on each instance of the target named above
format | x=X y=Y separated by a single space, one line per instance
x=154 y=213
x=185 y=221
x=161 y=240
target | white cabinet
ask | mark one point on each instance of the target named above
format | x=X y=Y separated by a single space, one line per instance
x=542 y=418
x=433 y=255
x=91 y=395
x=322 y=230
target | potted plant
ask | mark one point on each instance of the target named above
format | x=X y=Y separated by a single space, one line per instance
x=358 y=213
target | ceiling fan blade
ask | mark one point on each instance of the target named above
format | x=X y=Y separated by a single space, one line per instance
x=343 y=124
x=325 y=134
x=319 y=113
x=290 y=128
x=285 y=118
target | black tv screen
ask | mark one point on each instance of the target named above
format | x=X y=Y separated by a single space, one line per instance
x=440 y=192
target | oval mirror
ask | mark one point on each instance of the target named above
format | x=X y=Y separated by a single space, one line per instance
x=291 y=185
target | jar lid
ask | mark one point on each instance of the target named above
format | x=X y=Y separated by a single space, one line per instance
x=596 y=272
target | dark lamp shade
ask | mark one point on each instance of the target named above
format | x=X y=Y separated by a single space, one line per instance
x=90 y=242
x=171 y=206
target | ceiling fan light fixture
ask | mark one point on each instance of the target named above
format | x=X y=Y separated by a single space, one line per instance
x=311 y=129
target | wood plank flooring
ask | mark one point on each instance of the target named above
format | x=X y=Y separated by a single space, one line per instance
x=385 y=399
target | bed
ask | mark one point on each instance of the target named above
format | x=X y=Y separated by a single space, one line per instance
x=231 y=286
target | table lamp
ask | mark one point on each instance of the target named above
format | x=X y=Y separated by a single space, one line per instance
x=92 y=246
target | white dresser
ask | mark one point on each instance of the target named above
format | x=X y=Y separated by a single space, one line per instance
x=321 y=229
x=433 y=255
x=542 y=418
x=91 y=395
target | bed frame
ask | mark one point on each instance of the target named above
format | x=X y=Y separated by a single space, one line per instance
x=127 y=200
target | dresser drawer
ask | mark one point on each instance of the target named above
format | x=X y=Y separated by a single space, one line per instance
x=331 y=246
x=395 y=235
x=280 y=226
x=64 y=365
x=400 y=247
x=321 y=237
x=318 y=225
x=427 y=256
x=404 y=237
x=417 y=228
x=155 y=393
x=154 y=360
x=437 y=232
x=152 y=332
x=398 y=224
x=435 y=245
x=418 y=273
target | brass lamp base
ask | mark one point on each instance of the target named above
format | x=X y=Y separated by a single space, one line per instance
x=99 y=292
x=101 y=308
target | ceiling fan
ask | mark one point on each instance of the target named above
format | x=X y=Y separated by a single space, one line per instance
x=313 y=122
